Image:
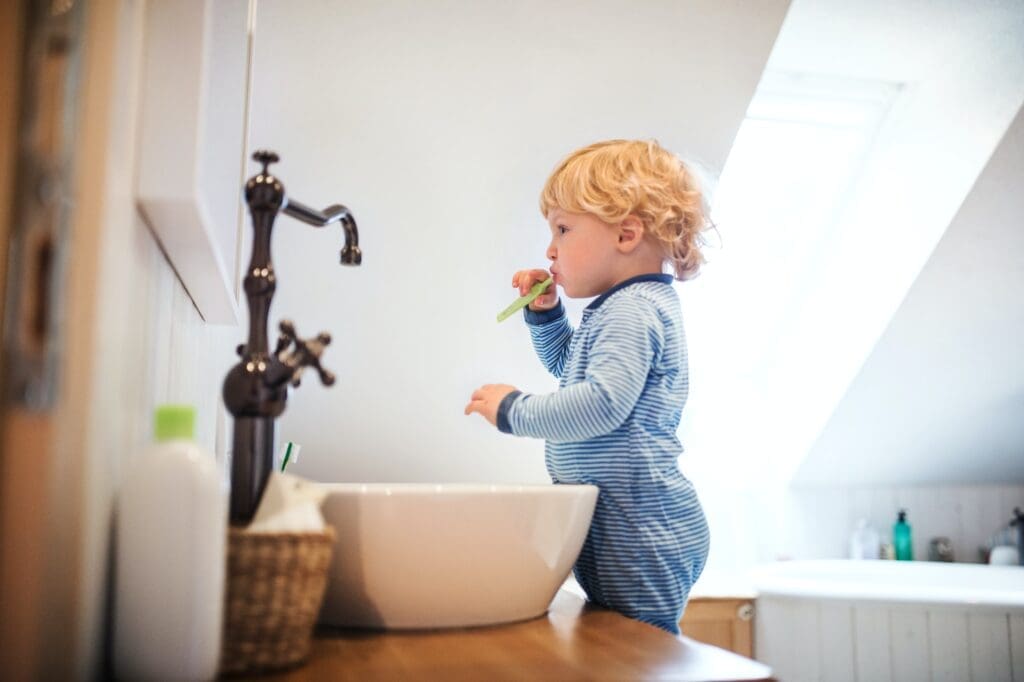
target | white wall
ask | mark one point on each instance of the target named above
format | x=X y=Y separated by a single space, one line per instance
x=437 y=124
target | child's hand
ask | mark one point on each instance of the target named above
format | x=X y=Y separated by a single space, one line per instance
x=486 y=399
x=525 y=279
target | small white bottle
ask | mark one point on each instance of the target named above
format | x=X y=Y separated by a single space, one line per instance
x=170 y=548
x=865 y=543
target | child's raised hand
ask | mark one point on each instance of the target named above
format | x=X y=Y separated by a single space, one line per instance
x=524 y=281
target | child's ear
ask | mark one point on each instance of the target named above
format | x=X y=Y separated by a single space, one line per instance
x=631 y=234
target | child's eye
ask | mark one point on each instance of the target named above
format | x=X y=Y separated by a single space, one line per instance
x=562 y=229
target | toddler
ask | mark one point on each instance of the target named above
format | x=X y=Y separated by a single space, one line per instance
x=619 y=211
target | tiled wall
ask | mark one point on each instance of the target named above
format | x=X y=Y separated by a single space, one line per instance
x=968 y=515
x=755 y=526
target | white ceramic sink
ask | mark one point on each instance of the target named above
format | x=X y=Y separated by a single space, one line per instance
x=454 y=555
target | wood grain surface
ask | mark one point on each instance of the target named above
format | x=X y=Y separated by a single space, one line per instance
x=573 y=641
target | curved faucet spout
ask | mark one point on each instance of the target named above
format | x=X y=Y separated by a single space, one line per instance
x=350 y=254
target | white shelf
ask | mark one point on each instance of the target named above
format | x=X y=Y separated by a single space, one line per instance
x=194 y=96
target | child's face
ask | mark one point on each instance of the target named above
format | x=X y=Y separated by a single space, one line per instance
x=583 y=253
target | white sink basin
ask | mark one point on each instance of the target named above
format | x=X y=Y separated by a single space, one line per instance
x=415 y=555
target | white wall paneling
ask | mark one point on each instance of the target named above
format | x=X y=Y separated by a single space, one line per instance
x=835 y=623
x=804 y=627
x=950 y=662
x=989 y=637
x=871 y=651
x=859 y=640
x=1017 y=646
x=908 y=645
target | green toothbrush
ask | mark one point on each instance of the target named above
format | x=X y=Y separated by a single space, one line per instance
x=523 y=301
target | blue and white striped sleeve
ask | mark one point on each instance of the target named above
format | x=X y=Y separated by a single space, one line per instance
x=620 y=358
x=551 y=333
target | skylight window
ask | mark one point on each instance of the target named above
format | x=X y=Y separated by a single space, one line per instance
x=793 y=166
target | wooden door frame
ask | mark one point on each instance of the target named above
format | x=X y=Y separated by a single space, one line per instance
x=55 y=497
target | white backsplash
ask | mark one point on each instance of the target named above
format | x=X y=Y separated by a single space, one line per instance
x=751 y=527
x=967 y=515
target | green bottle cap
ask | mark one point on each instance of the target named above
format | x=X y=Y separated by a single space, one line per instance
x=174 y=422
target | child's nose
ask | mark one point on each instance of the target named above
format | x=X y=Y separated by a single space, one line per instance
x=552 y=252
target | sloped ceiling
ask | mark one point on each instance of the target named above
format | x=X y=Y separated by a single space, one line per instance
x=959 y=69
x=941 y=397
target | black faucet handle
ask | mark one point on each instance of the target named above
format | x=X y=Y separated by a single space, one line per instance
x=306 y=353
x=266 y=157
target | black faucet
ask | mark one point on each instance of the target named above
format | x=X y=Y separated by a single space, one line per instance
x=255 y=390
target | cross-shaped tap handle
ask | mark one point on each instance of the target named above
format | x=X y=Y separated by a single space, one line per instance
x=306 y=353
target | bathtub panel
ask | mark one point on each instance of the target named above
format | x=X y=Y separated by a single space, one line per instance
x=990 y=648
x=836 y=642
x=908 y=630
x=1017 y=647
x=787 y=638
x=871 y=629
x=950 y=656
x=773 y=643
x=777 y=641
x=920 y=621
x=806 y=663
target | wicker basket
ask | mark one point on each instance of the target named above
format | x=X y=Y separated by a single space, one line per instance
x=275 y=584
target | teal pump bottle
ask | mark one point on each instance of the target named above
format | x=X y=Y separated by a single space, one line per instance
x=901 y=540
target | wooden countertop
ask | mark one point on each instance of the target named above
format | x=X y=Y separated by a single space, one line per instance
x=574 y=641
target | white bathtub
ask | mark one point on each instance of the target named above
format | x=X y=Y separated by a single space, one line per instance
x=874 y=621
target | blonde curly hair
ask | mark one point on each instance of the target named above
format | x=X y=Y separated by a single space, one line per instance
x=618 y=178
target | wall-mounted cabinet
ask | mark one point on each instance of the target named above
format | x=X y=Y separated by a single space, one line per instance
x=192 y=143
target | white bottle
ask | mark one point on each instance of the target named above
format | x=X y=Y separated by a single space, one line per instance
x=865 y=543
x=169 y=575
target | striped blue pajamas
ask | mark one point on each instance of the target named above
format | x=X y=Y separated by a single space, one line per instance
x=612 y=423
